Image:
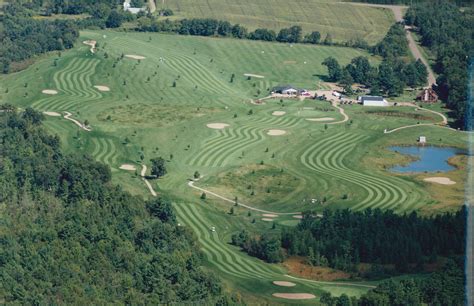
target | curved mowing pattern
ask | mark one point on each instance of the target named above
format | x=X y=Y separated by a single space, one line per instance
x=326 y=157
x=230 y=141
x=104 y=151
x=219 y=253
x=74 y=86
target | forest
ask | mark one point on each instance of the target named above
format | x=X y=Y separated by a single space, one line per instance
x=449 y=33
x=69 y=236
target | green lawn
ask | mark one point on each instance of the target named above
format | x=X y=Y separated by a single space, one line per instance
x=343 y=21
x=143 y=112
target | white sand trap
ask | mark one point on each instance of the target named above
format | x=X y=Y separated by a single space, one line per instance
x=50 y=91
x=298 y=216
x=270 y=215
x=321 y=119
x=267 y=219
x=254 y=75
x=276 y=132
x=53 y=114
x=137 y=57
x=91 y=43
x=102 y=88
x=278 y=113
x=295 y=296
x=440 y=180
x=284 y=284
x=128 y=167
x=217 y=126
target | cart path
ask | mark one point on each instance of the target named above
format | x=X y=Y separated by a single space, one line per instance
x=443 y=123
x=68 y=115
x=191 y=184
x=143 y=173
x=341 y=111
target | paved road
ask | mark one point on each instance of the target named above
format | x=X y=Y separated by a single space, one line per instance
x=398 y=13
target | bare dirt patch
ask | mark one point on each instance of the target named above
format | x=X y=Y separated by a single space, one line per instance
x=50 y=91
x=217 y=126
x=276 y=132
x=270 y=215
x=52 y=114
x=133 y=56
x=267 y=219
x=284 y=284
x=278 y=113
x=128 y=167
x=297 y=266
x=102 y=88
x=440 y=180
x=321 y=119
x=254 y=75
x=294 y=296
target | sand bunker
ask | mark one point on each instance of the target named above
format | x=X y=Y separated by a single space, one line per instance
x=321 y=119
x=50 y=91
x=270 y=215
x=294 y=296
x=137 y=57
x=276 y=132
x=102 y=88
x=298 y=216
x=440 y=180
x=254 y=75
x=284 y=284
x=278 y=113
x=217 y=126
x=267 y=219
x=53 y=114
x=90 y=43
x=128 y=167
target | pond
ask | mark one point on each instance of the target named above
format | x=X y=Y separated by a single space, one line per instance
x=428 y=159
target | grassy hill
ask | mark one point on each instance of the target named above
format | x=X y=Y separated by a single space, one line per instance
x=144 y=113
x=344 y=21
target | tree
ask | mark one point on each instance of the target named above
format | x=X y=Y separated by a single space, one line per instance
x=328 y=39
x=161 y=208
x=158 y=167
x=114 y=20
x=313 y=38
x=203 y=196
x=231 y=211
x=334 y=69
x=197 y=175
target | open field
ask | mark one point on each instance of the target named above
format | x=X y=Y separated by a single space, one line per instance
x=343 y=21
x=164 y=105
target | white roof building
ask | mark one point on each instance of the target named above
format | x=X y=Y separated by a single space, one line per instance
x=372 y=101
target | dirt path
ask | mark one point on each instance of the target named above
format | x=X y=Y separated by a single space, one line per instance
x=147 y=183
x=82 y=126
x=151 y=6
x=398 y=13
x=208 y=192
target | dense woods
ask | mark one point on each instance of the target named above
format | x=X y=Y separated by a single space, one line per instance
x=22 y=37
x=445 y=287
x=449 y=33
x=342 y=239
x=68 y=236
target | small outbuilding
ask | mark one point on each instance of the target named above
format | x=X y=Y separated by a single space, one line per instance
x=134 y=10
x=372 y=101
x=422 y=140
x=427 y=95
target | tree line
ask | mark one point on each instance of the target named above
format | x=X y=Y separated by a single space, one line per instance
x=214 y=27
x=390 y=77
x=69 y=236
x=449 y=33
x=342 y=239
